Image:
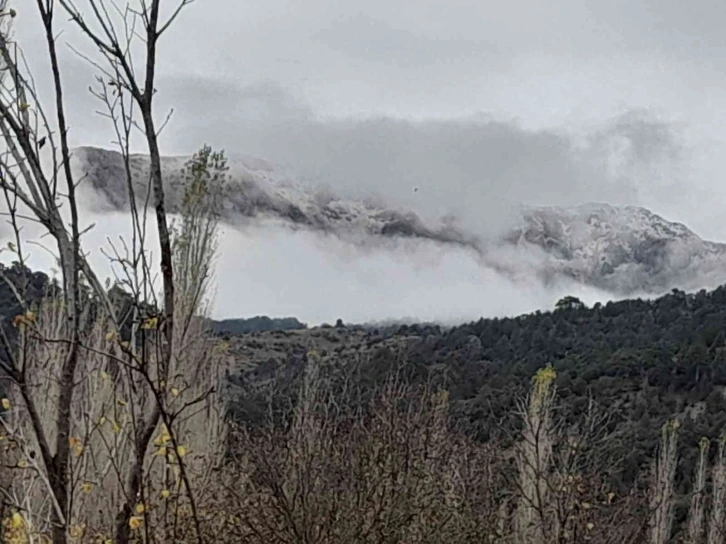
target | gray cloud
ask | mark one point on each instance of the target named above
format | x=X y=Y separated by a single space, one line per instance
x=538 y=60
x=648 y=139
x=363 y=37
x=473 y=167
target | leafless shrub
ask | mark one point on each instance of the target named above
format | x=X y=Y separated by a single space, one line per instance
x=112 y=395
x=391 y=472
x=396 y=471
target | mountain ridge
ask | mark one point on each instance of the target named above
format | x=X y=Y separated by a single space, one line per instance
x=625 y=250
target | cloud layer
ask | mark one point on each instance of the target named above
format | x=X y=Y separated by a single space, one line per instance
x=475 y=167
x=268 y=269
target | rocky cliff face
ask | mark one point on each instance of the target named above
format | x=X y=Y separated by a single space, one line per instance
x=625 y=250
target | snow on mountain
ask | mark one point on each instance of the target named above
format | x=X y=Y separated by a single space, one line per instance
x=625 y=250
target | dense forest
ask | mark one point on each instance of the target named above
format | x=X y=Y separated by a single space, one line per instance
x=641 y=361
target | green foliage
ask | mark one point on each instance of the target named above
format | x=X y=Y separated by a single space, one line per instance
x=569 y=303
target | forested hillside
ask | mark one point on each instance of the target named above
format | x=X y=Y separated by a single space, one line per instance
x=640 y=361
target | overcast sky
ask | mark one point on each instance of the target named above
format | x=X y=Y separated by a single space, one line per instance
x=477 y=103
x=235 y=69
x=568 y=66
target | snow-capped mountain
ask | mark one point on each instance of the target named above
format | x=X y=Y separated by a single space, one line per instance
x=625 y=250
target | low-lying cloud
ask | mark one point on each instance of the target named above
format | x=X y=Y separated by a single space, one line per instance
x=270 y=270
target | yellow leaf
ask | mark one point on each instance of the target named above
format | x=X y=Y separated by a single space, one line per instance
x=140 y=508
x=165 y=493
x=163 y=437
x=105 y=375
x=590 y=526
x=115 y=427
x=5 y=403
x=150 y=323
x=586 y=505
x=24 y=106
x=102 y=420
x=110 y=336
x=87 y=487
x=175 y=391
x=30 y=316
x=181 y=451
x=135 y=522
x=121 y=402
x=77 y=446
x=22 y=463
x=16 y=521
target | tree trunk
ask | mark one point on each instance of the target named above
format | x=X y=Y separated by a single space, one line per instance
x=135 y=476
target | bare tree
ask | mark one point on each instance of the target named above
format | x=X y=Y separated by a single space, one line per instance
x=118 y=64
x=22 y=175
x=84 y=330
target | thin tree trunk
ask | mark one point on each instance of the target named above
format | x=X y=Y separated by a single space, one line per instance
x=135 y=477
x=134 y=481
x=71 y=274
